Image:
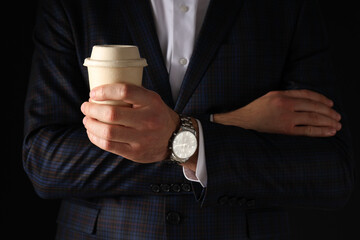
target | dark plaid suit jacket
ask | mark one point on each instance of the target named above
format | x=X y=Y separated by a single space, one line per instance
x=246 y=48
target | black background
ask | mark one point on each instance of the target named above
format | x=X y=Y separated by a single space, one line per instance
x=25 y=213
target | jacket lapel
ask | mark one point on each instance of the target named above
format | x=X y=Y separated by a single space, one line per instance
x=218 y=20
x=138 y=15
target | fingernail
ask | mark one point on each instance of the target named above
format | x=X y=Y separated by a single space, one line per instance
x=338 y=117
x=331 y=132
x=339 y=126
x=82 y=108
x=84 y=120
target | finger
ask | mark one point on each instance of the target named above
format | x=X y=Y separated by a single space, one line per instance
x=308 y=105
x=122 y=149
x=111 y=114
x=109 y=132
x=311 y=131
x=308 y=94
x=316 y=120
x=128 y=93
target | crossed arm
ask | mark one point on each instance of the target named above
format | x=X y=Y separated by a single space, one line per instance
x=142 y=133
x=275 y=169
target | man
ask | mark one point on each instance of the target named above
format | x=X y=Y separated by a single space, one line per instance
x=245 y=75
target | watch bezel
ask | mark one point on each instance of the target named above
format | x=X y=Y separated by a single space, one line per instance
x=176 y=156
x=186 y=125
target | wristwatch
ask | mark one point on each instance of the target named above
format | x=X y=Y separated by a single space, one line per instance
x=183 y=143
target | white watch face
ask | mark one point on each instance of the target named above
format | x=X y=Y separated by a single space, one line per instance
x=184 y=144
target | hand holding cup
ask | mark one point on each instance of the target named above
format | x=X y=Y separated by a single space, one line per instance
x=110 y=64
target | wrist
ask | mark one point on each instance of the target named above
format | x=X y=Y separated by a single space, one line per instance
x=236 y=118
x=221 y=118
x=175 y=117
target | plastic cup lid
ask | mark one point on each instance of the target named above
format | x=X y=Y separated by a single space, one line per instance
x=115 y=56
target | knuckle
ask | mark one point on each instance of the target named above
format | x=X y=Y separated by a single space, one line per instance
x=314 y=117
x=125 y=91
x=155 y=99
x=151 y=122
x=280 y=101
x=111 y=114
x=137 y=148
x=309 y=131
x=107 y=145
x=290 y=130
x=137 y=151
x=287 y=128
x=100 y=93
x=287 y=123
x=290 y=125
x=108 y=132
x=156 y=96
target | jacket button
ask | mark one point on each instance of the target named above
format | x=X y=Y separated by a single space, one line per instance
x=175 y=188
x=155 y=188
x=223 y=200
x=165 y=187
x=186 y=187
x=173 y=218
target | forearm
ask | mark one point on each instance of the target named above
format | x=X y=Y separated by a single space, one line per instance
x=62 y=162
x=277 y=170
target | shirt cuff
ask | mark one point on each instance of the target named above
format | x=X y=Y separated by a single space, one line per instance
x=200 y=175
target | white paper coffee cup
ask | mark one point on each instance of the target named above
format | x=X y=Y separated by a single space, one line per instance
x=114 y=64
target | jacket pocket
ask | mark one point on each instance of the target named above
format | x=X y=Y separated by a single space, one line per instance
x=78 y=215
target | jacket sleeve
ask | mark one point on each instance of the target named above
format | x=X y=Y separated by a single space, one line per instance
x=57 y=155
x=268 y=170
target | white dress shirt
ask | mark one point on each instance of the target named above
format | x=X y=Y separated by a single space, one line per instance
x=178 y=23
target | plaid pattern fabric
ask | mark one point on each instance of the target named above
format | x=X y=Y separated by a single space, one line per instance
x=246 y=48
